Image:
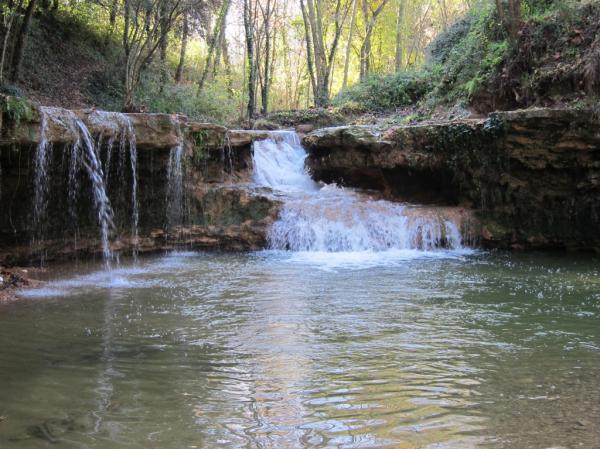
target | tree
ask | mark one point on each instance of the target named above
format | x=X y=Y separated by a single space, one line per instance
x=146 y=25
x=251 y=67
x=215 y=42
x=509 y=13
x=349 y=43
x=267 y=15
x=320 y=57
x=8 y=17
x=21 y=41
x=399 y=23
x=370 y=16
x=184 y=40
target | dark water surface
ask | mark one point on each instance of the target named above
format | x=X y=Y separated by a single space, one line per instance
x=275 y=350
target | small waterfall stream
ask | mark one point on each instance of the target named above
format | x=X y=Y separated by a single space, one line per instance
x=174 y=199
x=333 y=219
x=42 y=160
x=91 y=162
x=121 y=130
x=85 y=153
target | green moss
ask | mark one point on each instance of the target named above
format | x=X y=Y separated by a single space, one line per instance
x=264 y=124
x=200 y=152
x=17 y=109
x=318 y=117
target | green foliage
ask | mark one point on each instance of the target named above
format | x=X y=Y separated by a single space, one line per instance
x=200 y=151
x=265 y=124
x=11 y=90
x=440 y=49
x=387 y=92
x=471 y=52
x=351 y=107
x=72 y=63
x=214 y=103
x=17 y=109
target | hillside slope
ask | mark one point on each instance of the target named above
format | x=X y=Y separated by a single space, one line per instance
x=68 y=64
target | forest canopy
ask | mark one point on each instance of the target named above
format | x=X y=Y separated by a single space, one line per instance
x=235 y=59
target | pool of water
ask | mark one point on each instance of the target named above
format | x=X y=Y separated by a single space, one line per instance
x=280 y=350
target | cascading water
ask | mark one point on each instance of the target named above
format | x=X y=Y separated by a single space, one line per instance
x=174 y=199
x=332 y=219
x=42 y=159
x=85 y=153
x=120 y=128
x=279 y=163
x=91 y=162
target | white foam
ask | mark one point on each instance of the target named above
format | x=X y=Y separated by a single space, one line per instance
x=358 y=260
x=333 y=219
x=132 y=277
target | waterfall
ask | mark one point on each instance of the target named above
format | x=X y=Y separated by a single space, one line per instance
x=333 y=219
x=174 y=198
x=120 y=128
x=279 y=163
x=85 y=153
x=40 y=195
x=91 y=162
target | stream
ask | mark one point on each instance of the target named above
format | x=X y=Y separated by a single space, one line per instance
x=367 y=324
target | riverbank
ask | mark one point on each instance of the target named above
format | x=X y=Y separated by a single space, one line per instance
x=14 y=279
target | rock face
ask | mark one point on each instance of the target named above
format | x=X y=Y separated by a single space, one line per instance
x=218 y=210
x=532 y=175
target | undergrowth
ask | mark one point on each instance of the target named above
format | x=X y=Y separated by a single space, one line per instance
x=555 y=60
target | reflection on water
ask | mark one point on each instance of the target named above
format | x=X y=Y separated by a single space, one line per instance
x=280 y=350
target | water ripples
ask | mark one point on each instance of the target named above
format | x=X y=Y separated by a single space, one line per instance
x=265 y=351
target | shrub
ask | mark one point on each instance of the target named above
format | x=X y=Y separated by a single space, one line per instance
x=213 y=104
x=386 y=92
x=319 y=117
x=467 y=56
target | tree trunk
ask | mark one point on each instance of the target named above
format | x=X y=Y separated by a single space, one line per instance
x=399 y=22
x=514 y=11
x=184 y=41
x=365 y=49
x=349 y=43
x=364 y=54
x=7 y=26
x=321 y=67
x=266 y=68
x=309 y=47
x=21 y=42
x=444 y=13
x=114 y=9
x=214 y=41
x=249 y=31
x=164 y=70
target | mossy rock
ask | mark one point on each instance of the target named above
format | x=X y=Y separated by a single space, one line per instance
x=318 y=117
x=15 y=110
x=264 y=124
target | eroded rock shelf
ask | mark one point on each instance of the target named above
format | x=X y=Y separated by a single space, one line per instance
x=533 y=176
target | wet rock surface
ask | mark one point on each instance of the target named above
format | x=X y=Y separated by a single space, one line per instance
x=532 y=175
x=218 y=210
x=10 y=281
